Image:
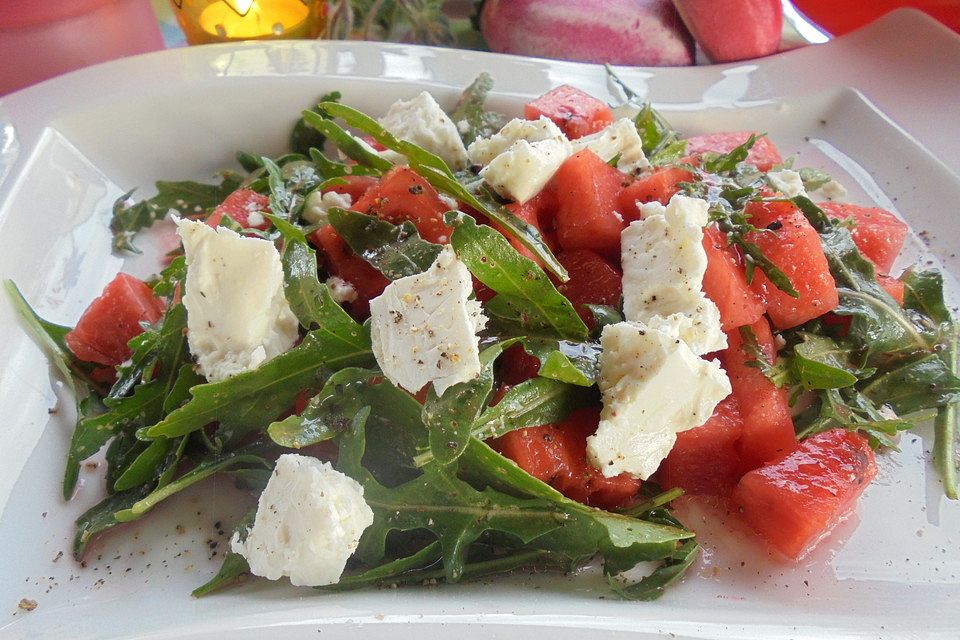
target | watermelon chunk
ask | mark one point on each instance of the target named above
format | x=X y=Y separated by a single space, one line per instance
x=557 y=455
x=725 y=283
x=342 y=262
x=768 y=431
x=586 y=190
x=403 y=195
x=705 y=460
x=593 y=280
x=795 y=502
x=659 y=186
x=763 y=154
x=792 y=244
x=355 y=186
x=576 y=113
x=878 y=233
x=893 y=286
x=113 y=319
x=246 y=207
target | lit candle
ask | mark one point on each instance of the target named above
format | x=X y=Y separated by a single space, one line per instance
x=227 y=20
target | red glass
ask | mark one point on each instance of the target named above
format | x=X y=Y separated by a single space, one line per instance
x=840 y=16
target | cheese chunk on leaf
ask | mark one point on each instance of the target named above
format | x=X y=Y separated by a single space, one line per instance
x=653 y=387
x=523 y=170
x=237 y=314
x=619 y=140
x=663 y=263
x=424 y=327
x=422 y=122
x=484 y=150
x=309 y=521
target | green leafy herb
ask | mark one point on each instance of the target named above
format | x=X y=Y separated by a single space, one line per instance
x=721 y=163
x=250 y=455
x=525 y=294
x=449 y=418
x=303 y=136
x=249 y=400
x=100 y=517
x=477 y=121
x=435 y=171
x=186 y=198
x=394 y=250
x=813 y=179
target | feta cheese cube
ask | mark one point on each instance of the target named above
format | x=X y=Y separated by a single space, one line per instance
x=317 y=205
x=663 y=262
x=309 y=521
x=833 y=190
x=620 y=138
x=483 y=150
x=424 y=327
x=422 y=122
x=788 y=182
x=653 y=387
x=341 y=290
x=523 y=170
x=237 y=314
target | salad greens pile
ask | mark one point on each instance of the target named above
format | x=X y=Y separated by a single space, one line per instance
x=448 y=506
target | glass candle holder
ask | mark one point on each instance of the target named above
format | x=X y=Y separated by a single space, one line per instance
x=205 y=21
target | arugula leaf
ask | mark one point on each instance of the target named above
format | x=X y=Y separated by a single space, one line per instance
x=820 y=363
x=250 y=456
x=435 y=171
x=251 y=399
x=349 y=145
x=233 y=567
x=310 y=300
x=652 y=586
x=394 y=570
x=187 y=198
x=849 y=409
x=622 y=541
x=567 y=361
x=525 y=294
x=531 y=403
x=924 y=383
x=394 y=250
x=720 y=163
x=393 y=415
x=100 y=517
x=439 y=502
x=449 y=419
x=923 y=295
x=885 y=333
x=303 y=136
x=472 y=120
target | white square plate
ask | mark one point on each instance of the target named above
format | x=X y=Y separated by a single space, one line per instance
x=866 y=108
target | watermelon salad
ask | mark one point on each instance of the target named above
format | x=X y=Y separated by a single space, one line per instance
x=436 y=345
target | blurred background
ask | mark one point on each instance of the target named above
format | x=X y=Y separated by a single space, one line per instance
x=41 y=39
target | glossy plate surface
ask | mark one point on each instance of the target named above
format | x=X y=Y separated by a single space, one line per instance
x=877 y=109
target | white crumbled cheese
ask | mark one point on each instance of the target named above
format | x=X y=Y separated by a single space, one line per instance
x=653 y=387
x=523 y=170
x=422 y=122
x=483 y=150
x=309 y=521
x=448 y=201
x=663 y=262
x=237 y=314
x=788 y=182
x=833 y=190
x=424 y=327
x=618 y=139
x=255 y=219
x=341 y=290
x=317 y=205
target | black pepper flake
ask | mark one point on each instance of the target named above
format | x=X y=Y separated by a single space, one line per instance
x=416 y=189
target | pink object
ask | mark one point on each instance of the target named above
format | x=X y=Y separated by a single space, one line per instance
x=627 y=32
x=729 y=30
x=40 y=39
